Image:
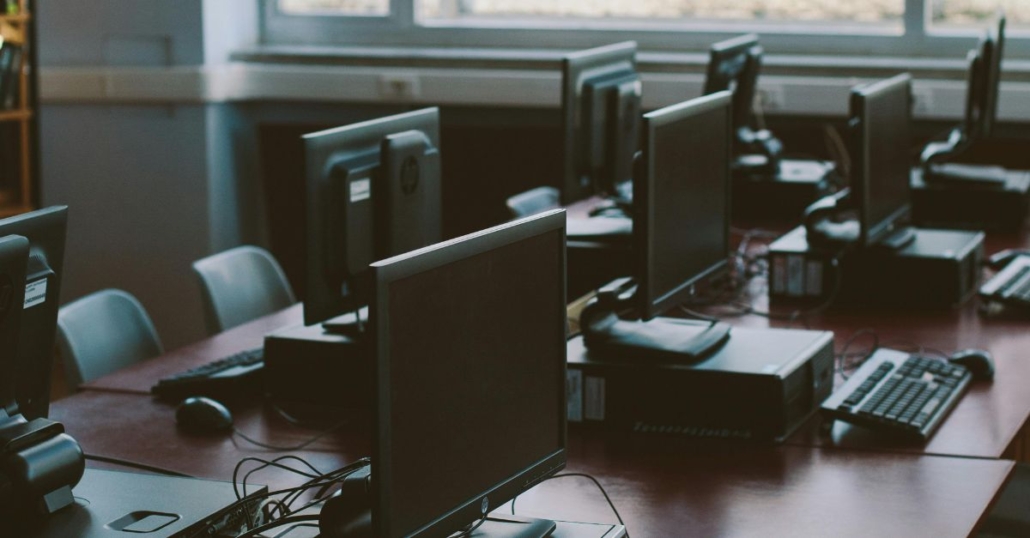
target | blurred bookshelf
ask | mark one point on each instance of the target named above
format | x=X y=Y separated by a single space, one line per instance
x=19 y=125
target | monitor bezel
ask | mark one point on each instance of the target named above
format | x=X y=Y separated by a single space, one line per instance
x=994 y=46
x=749 y=47
x=651 y=303
x=321 y=150
x=863 y=98
x=400 y=267
x=577 y=69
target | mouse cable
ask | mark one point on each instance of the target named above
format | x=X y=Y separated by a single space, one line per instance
x=596 y=483
x=136 y=465
x=270 y=494
x=265 y=464
x=301 y=446
x=323 y=481
x=843 y=366
x=329 y=480
x=316 y=477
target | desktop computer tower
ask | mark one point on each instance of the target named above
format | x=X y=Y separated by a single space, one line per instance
x=972 y=207
x=940 y=268
x=308 y=365
x=785 y=196
x=592 y=264
x=761 y=385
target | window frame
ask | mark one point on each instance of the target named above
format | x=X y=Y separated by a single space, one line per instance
x=399 y=28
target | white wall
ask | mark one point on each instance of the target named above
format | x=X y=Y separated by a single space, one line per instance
x=152 y=187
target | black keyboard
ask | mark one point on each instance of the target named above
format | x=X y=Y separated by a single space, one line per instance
x=1011 y=286
x=233 y=375
x=896 y=392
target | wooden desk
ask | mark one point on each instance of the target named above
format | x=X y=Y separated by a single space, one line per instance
x=662 y=486
x=990 y=421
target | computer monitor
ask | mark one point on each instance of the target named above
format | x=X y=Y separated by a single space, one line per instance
x=733 y=65
x=373 y=191
x=470 y=348
x=881 y=123
x=600 y=115
x=39 y=463
x=681 y=216
x=983 y=84
x=14 y=251
x=45 y=230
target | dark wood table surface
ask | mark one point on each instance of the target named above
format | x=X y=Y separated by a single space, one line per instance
x=847 y=482
x=662 y=486
x=990 y=421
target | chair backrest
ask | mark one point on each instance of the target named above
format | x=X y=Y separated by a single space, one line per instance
x=103 y=332
x=533 y=201
x=239 y=285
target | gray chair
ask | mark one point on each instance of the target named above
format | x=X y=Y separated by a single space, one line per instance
x=239 y=285
x=103 y=332
x=534 y=201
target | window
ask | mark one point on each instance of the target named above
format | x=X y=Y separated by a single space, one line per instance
x=877 y=11
x=929 y=28
x=335 y=7
x=976 y=13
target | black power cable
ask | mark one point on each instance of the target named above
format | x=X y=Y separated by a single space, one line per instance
x=596 y=483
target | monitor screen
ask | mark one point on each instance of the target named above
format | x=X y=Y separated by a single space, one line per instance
x=45 y=230
x=373 y=191
x=733 y=65
x=601 y=95
x=682 y=200
x=470 y=350
x=882 y=114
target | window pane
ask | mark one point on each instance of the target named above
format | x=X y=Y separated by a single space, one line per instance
x=846 y=11
x=335 y=7
x=978 y=13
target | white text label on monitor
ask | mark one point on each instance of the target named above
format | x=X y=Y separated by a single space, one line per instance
x=35 y=293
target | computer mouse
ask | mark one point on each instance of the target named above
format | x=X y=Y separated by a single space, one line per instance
x=978 y=361
x=1003 y=258
x=198 y=414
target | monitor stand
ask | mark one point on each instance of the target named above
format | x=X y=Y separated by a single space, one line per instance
x=660 y=339
x=506 y=526
x=348 y=324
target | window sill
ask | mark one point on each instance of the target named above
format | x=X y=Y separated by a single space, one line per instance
x=657 y=62
x=790 y=85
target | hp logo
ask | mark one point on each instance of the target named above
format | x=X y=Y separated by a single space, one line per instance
x=409 y=175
